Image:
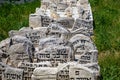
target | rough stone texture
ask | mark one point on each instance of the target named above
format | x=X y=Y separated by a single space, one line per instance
x=29 y=68
x=66 y=22
x=45 y=73
x=34 y=20
x=55 y=54
x=3 y=66
x=12 y=74
x=57 y=45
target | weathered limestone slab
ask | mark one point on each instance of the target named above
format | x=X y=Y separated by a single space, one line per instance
x=32 y=35
x=29 y=68
x=21 y=32
x=89 y=57
x=35 y=20
x=13 y=74
x=45 y=21
x=66 y=22
x=79 y=72
x=3 y=66
x=55 y=54
x=82 y=40
x=45 y=73
x=57 y=30
x=62 y=6
x=50 y=41
x=63 y=70
x=36 y=34
x=80 y=23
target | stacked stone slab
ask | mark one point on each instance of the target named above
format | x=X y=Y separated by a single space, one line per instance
x=57 y=45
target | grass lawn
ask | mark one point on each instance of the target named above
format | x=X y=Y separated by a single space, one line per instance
x=106 y=15
x=107 y=36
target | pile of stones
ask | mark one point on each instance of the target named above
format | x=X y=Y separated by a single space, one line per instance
x=57 y=45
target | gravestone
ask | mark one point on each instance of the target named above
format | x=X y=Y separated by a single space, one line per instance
x=80 y=23
x=57 y=30
x=35 y=20
x=89 y=57
x=45 y=73
x=62 y=6
x=35 y=35
x=66 y=22
x=29 y=68
x=50 y=41
x=3 y=66
x=55 y=54
x=13 y=74
x=79 y=72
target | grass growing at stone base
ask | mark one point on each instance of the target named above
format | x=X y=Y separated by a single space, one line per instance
x=13 y=17
x=107 y=36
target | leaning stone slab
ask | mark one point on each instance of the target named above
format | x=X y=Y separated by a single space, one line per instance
x=57 y=30
x=80 y=23
x=13 y=74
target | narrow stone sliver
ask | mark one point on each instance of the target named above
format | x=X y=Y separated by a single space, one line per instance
x=57 y=45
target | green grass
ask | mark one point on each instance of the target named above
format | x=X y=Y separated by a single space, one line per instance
x=106 y=30
x=13 y=17
x=107 y=36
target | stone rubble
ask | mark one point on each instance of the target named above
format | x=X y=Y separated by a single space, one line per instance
x=57 y=45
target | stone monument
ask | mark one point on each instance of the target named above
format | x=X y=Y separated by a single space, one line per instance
x=57 y=45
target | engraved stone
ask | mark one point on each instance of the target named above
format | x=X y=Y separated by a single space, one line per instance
x=66 y=22
x=29 y=68
x=84 y=24
x=55 y=54
x=13 y=74
x=3 y=66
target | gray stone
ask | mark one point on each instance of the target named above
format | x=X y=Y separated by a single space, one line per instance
x=61 y=7
x=55 y=54
x=3 y=66
x=13 y=74
x=29 y=68
x=89 y=57
x=45 y=73
x=84 y=24
x=80 y=72
x=35 y=20
x=66 y=22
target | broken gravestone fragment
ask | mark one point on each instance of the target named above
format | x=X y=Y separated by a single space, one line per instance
x=84 y=25
x=20 y=52
x=88 y=57
x=66 y=22
x=29 y=68
x=13 y=74
x=57 y=30
x=50 y=41
x=79 y=72
x=3 y=66
x=45 y=73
